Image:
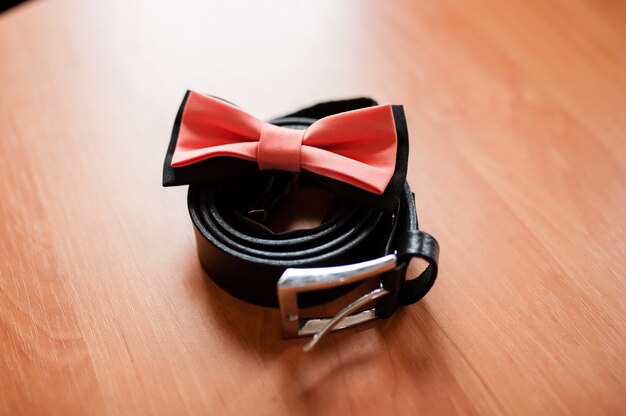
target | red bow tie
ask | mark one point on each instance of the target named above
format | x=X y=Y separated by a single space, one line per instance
x=356 y=147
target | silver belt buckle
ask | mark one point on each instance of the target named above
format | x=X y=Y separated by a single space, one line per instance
x=294 y=281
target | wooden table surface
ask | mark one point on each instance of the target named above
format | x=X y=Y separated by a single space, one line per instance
x=517 y=119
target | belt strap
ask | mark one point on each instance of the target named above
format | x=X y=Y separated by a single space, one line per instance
x=248 y=263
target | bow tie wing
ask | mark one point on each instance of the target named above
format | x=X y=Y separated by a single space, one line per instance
x=210 y=127
x=357 y=147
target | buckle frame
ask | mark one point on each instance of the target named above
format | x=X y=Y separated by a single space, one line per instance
x=299 y=280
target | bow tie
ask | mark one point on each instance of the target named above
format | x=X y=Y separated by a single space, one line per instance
x=357 y=147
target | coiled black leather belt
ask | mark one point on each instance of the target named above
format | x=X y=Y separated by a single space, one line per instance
x=306 y=267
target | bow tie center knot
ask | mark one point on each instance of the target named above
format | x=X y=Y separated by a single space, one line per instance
x=279 y=148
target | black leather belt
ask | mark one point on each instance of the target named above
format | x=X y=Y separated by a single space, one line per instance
x=355 y=241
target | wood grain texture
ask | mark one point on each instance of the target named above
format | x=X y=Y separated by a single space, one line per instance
x=517 y=118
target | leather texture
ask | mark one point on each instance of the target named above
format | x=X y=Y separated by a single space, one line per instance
x=246 y=259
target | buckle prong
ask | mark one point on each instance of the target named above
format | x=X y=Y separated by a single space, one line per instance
x=330 y=325
x=294 y=281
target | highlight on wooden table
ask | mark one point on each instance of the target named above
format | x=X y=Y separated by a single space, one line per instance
x=113 y=300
